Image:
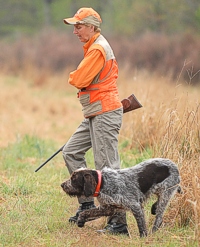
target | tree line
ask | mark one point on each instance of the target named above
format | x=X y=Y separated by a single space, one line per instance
x=127 y=17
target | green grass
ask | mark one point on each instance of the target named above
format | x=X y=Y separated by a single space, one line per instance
x=34 y=210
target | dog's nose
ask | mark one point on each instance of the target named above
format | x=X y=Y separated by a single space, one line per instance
x=62 y=185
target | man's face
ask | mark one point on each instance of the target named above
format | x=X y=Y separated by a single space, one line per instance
x=83 y=32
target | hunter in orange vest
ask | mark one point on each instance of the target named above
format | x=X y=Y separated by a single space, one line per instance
x=96 y=75
x=95 y=78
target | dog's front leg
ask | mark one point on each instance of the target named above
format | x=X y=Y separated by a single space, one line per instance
x=94 y=213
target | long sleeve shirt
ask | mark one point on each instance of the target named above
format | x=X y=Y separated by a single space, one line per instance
x=89 y=67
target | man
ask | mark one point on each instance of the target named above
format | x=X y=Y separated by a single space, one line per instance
x=95 y=78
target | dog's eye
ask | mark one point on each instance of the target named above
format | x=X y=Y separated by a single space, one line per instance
x=73 y=178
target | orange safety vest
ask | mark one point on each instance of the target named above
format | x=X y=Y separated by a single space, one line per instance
x=102 y=94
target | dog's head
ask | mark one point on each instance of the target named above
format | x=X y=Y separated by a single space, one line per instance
x=82 y=182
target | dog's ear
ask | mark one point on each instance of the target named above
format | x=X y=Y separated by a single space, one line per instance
x=89 y=185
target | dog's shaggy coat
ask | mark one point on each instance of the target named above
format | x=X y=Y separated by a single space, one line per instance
x=127 y=189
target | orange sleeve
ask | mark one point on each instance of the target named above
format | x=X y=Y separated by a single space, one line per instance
x=89 y=67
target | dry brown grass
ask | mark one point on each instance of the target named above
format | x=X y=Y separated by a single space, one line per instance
x=169 y=124
x=46 y=106
x=49 y=111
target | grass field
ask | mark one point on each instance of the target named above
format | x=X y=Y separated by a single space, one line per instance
x=38 y=115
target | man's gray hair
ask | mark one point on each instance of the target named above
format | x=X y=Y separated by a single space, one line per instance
x=90 y=20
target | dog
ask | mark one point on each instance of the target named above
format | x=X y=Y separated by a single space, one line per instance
x=126 y=189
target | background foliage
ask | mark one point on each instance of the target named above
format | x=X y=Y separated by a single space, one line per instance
x=128 y=17
x=159 y=36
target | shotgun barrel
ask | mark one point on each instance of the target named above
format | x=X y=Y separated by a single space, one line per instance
x=49 y=158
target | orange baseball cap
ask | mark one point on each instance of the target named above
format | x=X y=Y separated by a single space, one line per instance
x=84 y=16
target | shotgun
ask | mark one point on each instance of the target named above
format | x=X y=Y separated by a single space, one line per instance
x=129 y=104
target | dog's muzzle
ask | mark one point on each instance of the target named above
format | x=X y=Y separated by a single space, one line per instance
x=69 y=189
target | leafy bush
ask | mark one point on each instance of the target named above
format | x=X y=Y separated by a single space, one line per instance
x=170 y=56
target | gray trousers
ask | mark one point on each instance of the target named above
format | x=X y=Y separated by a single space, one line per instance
x=101 y=134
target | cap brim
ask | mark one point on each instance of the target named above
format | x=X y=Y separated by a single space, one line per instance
x=71 y=21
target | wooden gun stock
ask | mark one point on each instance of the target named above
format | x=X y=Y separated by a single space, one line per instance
x=130 y=104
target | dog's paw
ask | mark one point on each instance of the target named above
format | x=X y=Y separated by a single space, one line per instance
x=80 y=223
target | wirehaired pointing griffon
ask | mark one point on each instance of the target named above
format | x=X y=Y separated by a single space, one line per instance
x=126 y=189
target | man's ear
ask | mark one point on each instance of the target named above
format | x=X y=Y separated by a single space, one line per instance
x=91 y=28
x=89 y=185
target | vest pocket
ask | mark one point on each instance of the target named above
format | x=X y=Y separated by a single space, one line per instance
x=89 y=109
x=84 y=99
x=93 y=109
